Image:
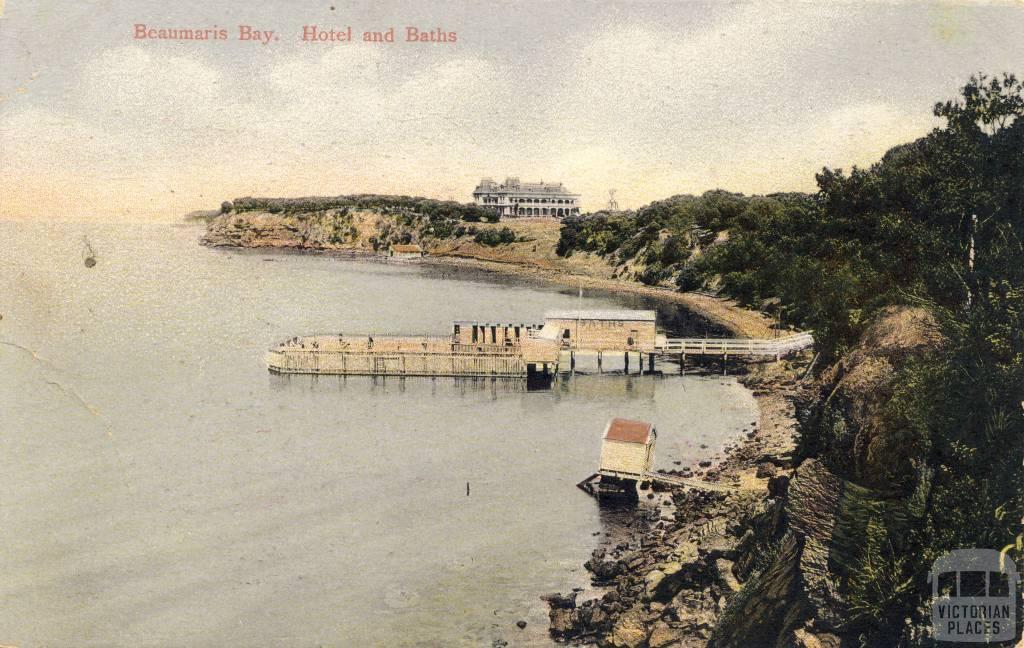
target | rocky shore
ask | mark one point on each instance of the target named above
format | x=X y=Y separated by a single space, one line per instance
x=668 y=585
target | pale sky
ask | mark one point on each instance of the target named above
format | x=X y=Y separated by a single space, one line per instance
x=651 y=98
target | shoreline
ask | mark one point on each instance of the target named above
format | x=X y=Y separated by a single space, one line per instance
x=720 y=311
x=688 y=548
x=740 y=321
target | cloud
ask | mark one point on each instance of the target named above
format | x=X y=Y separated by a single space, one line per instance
x=742 y=98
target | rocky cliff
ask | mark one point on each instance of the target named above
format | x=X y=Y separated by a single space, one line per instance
x=853 y=474
x=335 y=229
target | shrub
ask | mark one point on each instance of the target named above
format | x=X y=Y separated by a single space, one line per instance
x=493 y=237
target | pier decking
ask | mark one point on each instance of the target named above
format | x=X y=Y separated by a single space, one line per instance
x=411 y=356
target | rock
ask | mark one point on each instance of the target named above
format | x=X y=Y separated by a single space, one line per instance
x=520 y=624
x=778 y=485
x=719 y=545
x=558 y=602
x=766 y=470
x=604 y=570
x=499 y=643
x=663 y=636
x=686 y=552
x=673 y=576
x=723 y=569
x=563 y=622
x=704 y=464
x=652 y=580
x=780 y=459
x=629 y=631
x=803 y=638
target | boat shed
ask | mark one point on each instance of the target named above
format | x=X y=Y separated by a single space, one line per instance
x=627 y=449
x=602 y=330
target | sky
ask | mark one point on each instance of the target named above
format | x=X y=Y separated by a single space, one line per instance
x=649 y=98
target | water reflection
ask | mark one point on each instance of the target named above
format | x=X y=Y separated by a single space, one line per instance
x=607 y=387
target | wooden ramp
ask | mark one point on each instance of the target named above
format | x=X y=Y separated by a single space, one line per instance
x=690 y=482
x=777 y=347
x=587 y=484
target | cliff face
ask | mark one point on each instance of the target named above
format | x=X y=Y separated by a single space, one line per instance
x=338 y=229
x=814 y=536
x=857 y=433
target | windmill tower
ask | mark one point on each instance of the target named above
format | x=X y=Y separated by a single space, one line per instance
x=613 y=205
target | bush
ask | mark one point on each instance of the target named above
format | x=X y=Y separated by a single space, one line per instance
x=493 y=237
x=689 y=279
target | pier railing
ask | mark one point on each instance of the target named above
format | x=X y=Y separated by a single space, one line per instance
x=733 y=346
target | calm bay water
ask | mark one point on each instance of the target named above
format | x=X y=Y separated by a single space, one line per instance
x=161 y=488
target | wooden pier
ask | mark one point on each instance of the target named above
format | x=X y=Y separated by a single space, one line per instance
x=520 y=350
x=412 y=356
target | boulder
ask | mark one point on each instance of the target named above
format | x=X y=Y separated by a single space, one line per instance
x=563 y=622
x=664 y=636
x=652 y=580
x=719 y=545
x=629 y=631
x=604 y=570
x=723 y=569
x=804 y=638
x=557 y=601
x=778 y=485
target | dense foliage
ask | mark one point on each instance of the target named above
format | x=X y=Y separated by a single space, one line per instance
x=658 y=242
x=937 y=223
x=441 y=213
